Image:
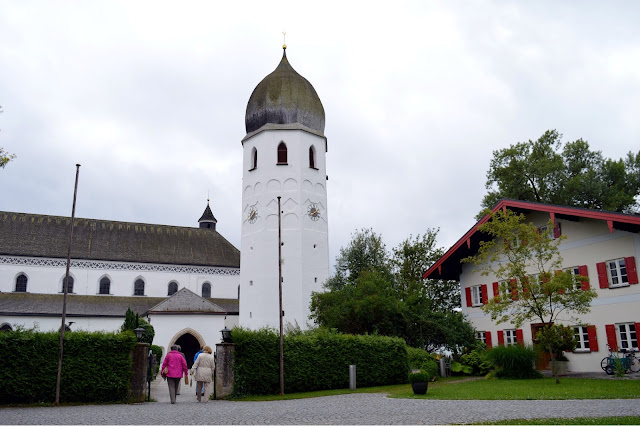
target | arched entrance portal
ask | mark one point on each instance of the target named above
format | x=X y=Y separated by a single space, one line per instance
x=189 y=346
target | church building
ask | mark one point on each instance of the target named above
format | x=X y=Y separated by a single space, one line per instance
x=190 y=283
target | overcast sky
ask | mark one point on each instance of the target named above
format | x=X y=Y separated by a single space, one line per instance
x=150 y=97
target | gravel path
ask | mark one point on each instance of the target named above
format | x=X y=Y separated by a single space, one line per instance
x=340 y=409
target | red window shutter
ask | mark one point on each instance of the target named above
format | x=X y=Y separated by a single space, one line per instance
x=557 y=231
x=612 y=339
x=519 y=337
x=514 y=288
x=582 y=270
x=487 y=336
x=603 y=279
x=593 y=338
x=632 y=273
x=485 y=294
x=501 y=337
x=467 y=292
x=496 y=289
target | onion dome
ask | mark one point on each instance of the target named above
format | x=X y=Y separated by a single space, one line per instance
x=207 y=220
x=284 y=97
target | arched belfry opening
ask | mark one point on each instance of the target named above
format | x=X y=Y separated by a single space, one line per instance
x=190 y=342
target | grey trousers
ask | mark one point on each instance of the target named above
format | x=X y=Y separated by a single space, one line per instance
x=199 y=390
x=173 y=383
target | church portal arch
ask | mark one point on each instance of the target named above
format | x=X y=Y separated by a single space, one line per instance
x=190 y=342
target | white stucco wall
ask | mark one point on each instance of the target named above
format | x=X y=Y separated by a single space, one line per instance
x=46 y=276
x=50 y=323
x=305 y=250
x=588 y=242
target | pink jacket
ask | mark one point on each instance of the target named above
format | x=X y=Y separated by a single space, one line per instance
x=176 y=364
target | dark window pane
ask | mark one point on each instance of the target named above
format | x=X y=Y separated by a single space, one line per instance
x=21 y=283
x=173 y=288
x=312 y=158
x=206 y=290
x=282 y=153
x=138 y=288
x=255 y=158
x=69 y=285
x=105 y=285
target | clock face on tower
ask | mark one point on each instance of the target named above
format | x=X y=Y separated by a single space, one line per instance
x=253 y=215
x=313 y=211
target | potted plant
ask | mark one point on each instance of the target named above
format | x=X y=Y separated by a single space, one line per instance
x=419 y=382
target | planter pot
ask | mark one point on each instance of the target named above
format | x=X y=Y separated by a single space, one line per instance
x=419 y=388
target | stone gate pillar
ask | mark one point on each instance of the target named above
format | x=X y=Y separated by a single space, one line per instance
x=140 y=365
x=224 y=369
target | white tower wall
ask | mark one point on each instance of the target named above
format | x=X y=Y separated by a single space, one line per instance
x=305 y=251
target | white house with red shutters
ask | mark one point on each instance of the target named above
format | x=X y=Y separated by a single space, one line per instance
x=602 y=246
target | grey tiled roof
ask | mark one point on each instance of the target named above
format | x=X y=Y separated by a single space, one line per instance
x=185 y=301
x=24 y=234
x=98 y=306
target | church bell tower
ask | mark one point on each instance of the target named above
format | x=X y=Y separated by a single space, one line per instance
x=284 y=158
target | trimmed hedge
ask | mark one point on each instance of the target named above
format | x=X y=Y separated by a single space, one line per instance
x=96 y=367
x=315 y=361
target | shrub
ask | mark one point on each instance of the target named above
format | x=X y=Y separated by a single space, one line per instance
x=419 y=359
x=96 y=367
x=514 y=362
x=314 y=361
x=133 y=321
x=477 y=360
x=422 y=376
x=157 y=351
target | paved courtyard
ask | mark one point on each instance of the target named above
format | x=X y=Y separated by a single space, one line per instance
x=341 y=409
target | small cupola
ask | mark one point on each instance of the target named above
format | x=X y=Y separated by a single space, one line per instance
x=207 y=221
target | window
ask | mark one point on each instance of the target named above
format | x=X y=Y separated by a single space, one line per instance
x=105 y=286
x=254 y=159
x=282 y=153
x=510 y=337
x=627 y=335
x=206 y=290
x=511 y=289
x=556 y=232
x=312 y=157
x=21 y=283
x=476 y=295
x=138 y=287
x=582 y=339
x=6 y=327
x=482 y=336
x=69 y=284
x=617 y=272
x=173 y=288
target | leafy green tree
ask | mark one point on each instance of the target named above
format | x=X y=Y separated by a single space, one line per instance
x=374 y=292
x=366 y=252
x=544 y=171
x=132 y=321
x=528 y=263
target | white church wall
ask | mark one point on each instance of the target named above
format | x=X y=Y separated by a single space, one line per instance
x=49 y=323
x=46 y=276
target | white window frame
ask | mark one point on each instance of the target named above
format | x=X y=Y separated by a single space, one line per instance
x=481 y=336
x=627 y=335
x=544 y=229
x=615 y=268
x=574 y=271
x=581 y=335
x=509 y=293
x=510 y=338
x=476 y=295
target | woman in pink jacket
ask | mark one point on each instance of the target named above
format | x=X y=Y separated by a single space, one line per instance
x=176 y=367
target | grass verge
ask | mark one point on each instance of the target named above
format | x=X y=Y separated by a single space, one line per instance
x=624 y=420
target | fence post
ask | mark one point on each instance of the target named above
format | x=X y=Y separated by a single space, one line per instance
x=352 y=377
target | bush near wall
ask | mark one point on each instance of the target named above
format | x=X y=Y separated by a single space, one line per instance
x=96 y=367
x=314 y=361
x=157 y=351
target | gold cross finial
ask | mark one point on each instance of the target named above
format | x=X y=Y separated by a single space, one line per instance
x=284 y=39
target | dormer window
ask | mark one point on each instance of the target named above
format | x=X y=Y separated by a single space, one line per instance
x=312 y=157
x=282 y=153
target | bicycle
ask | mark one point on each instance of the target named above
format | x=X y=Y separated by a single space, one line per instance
x=629 y=362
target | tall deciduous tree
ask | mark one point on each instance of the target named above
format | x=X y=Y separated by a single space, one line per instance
x=544 y=171
x=373 y=292
x=534 y=287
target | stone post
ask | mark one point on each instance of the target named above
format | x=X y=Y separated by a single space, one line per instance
x=138 y=386
x=224 y=369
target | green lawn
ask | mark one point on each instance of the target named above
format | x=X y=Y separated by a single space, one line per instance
x=625 y=420
x=454 y=388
